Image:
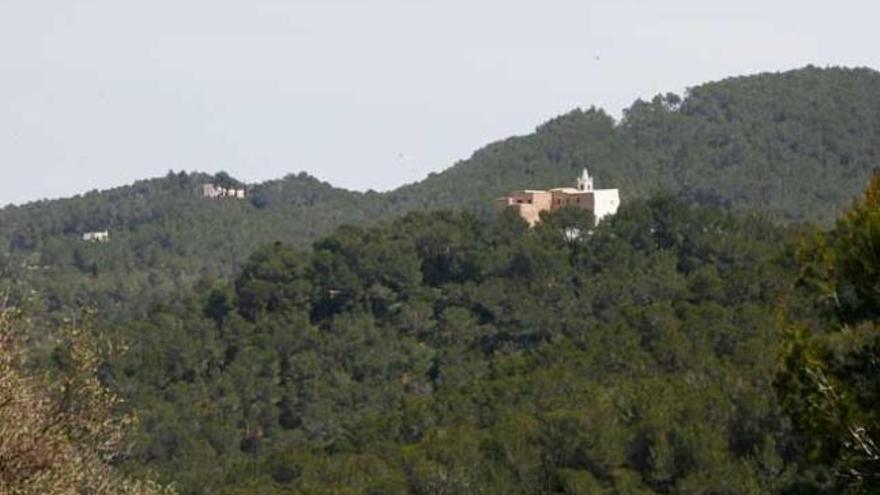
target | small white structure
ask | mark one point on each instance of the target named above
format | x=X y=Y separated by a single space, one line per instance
x=605 y=203
x=212 y=191
x=585 y=182
x=102 y=236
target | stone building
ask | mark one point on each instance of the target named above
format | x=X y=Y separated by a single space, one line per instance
x=530 y=203
x=212 y=191
x=102 y=236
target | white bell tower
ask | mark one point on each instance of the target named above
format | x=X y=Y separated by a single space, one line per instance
x=585 y=182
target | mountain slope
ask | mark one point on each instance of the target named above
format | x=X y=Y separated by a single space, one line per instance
x=798 y=144
x=795 y=145
x=440 y=353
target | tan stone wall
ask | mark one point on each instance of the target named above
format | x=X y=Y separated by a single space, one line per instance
x=582 y=200
x=540 y=199
x=530 y=204
x=530 y=213
x=543 y=200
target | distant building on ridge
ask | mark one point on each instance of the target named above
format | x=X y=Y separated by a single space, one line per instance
x=214 y=191
x=530 y=203
x=102 y=236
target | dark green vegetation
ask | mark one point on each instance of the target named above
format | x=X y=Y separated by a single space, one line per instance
x=796 y=145
x=831 y=364
x=442 y=354
x=686 y=345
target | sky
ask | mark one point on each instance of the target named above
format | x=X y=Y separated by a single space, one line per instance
x=366 y=94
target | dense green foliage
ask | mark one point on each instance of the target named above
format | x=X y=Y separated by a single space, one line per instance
x=829 y=379
x=797 y=145
x=424 y=351
x=60 y=432
x=163 y=237
x=443 y=354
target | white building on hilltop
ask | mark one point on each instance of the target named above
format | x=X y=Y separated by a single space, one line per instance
x=102 y=236
x=530 y=203
x=212 y=191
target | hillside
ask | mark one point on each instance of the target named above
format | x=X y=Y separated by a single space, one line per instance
x=440 y=353
x=796 y=145
x=799 y=145
x=675 y=349
x=163 y=236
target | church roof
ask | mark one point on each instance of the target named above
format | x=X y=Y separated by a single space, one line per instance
x=569 y=190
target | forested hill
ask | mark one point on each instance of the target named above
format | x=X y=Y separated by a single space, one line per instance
x=798 y=145
x=443 y=354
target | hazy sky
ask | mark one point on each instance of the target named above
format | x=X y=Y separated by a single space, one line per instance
x=364 y=94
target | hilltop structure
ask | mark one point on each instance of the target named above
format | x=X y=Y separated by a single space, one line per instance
x=214 y=191
x=530 y=203
x=102 y=236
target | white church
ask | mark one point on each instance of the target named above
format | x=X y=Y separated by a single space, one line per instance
x=530 y=203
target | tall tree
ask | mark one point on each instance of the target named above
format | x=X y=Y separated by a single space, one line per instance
x=828 y=378
x=59 y=436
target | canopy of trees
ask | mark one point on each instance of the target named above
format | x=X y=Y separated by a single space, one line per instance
x=797 y=145
x=440 y=353
x=831 y=364
x=309 y=339
x=59 y=435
